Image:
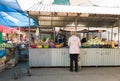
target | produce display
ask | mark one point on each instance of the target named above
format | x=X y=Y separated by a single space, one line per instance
x=93 y=43
x=51 y=44
x=5 y=55
x=46 y=43
x=39 y=46
x=2 y=63
x=5 y=45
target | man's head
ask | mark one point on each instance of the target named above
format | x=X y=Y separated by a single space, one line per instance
x=73 y=33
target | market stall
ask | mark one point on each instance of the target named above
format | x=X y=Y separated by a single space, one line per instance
x=75 y=18
x=2 y=62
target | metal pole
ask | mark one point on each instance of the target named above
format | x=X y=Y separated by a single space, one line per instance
x=29 y=29
x=100 y=35
x=112 y=33
x=118 y=31
x=76 y=24
x=53 y=29
x=19 y=34
x=40 y=34
x=88 y=33
x=108 y=36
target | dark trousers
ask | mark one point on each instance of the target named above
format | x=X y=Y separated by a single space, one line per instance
x=74 y=58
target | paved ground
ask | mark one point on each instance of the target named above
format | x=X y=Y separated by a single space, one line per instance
x=63 y=74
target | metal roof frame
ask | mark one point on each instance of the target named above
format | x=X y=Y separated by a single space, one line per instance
x=47 y=15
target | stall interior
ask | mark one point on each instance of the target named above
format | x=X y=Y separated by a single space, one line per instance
x=92 y=38
x=104 y=26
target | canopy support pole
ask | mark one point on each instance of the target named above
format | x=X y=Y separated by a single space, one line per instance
x=53 y=29
x=29 y=29
x=76 y=23
x=19 y=34
x=112 y=33
x=88 y=33
x=118 y=31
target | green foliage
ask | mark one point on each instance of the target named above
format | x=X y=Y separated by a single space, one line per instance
x=44 y=38
x=52 y=37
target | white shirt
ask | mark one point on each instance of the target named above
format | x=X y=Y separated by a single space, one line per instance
x=74 y=44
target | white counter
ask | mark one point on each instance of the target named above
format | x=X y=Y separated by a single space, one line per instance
x=49 y=57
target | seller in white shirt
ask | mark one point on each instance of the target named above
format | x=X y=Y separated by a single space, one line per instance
x=74 y=50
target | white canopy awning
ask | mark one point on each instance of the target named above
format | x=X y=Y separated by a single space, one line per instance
x=73 y=9
x=49 y=15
